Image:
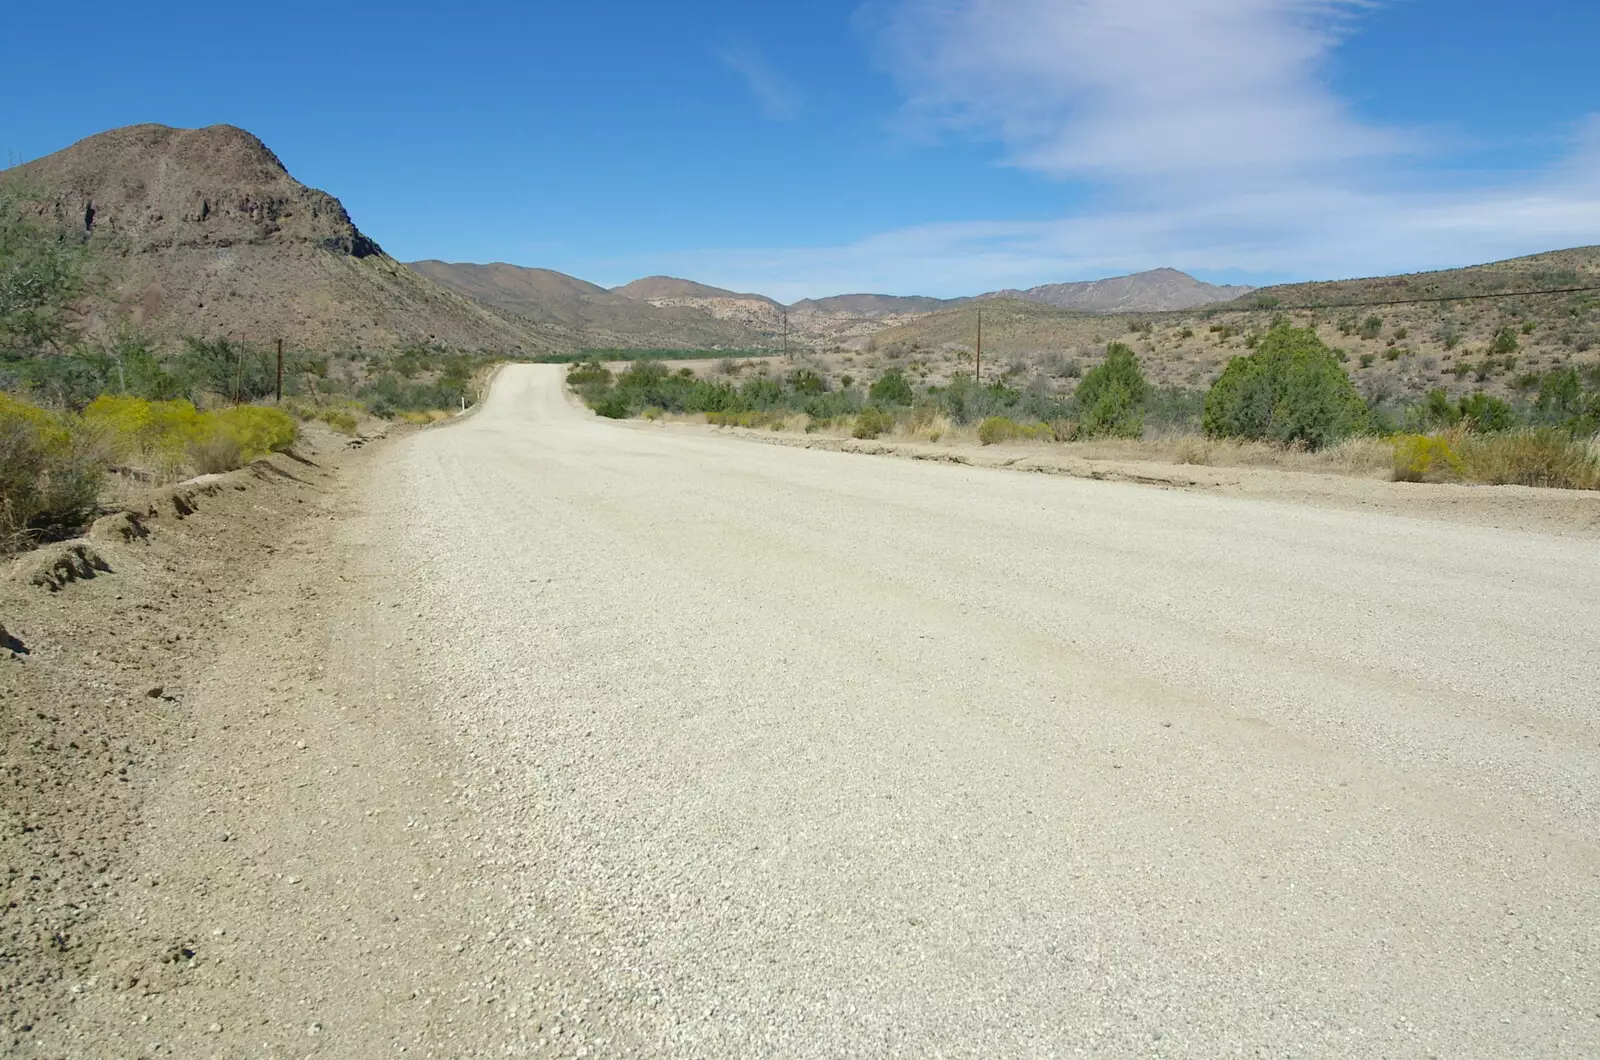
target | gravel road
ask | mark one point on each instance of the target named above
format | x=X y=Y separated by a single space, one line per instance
x=795 y=753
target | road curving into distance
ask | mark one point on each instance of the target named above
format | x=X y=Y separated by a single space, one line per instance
x=794 y=753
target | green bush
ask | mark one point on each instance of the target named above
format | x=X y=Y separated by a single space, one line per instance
x=256 y=431
x=1485 y=413
x=1292 y=390
x=1111 y=397
x=51 y=469
x=341 y=420
x=871 y=422
x=41 y=275
x=588 y=373
x=891 y=389
x=1504 y=342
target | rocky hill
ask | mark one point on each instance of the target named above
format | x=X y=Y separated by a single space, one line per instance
x=203 y=232
x=670 y=287
x=1157 y=290
x=594 y=316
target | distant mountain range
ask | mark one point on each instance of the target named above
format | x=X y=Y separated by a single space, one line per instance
x=202 y=232
x=636 y=311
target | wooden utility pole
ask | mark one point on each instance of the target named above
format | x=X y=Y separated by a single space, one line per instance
x=238 y=375
x=280 y=371
x=786 y=333
x=977 y=362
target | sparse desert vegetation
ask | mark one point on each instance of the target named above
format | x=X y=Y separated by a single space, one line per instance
x=1286 y=399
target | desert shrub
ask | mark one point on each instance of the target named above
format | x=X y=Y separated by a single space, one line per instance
x=1537 y=456
x=1367 y=359
x=611 y=405
x=1111 y=398
x=1504 y=342
x=805 y=381
x=1479 y=412
x=341 y=420
x=166 y=435
x=254 y=430
x=587 y=373
x=51 y=469
x=1486 y=413
x=1564 y=401
x=997 y=429
x=214 y=454
x=239 y=371
x=1370 y=328
x=41 y=275
x=1424 y=457
x=156 y=433
x=1292 y=390
x=891 y=388
x=871 y=422
x=1061 y=366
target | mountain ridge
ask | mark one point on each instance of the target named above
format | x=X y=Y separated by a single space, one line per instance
x=1151 y=291
x=203 y=232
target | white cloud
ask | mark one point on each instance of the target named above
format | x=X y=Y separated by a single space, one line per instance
x=1208 y=137
x=1132 y=88
x=780 y=100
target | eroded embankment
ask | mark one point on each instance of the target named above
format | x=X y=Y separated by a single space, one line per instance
x=1559 y=511
x=102 y=636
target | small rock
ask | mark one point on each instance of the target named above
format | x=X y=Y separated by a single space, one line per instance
x=155 y=693
x=215 y=1028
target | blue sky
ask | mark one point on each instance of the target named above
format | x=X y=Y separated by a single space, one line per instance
x=906 y=146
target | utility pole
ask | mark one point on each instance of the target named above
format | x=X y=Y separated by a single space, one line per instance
x=786 y=333
x=280 y=371
x=977 y=363
x=238 y=375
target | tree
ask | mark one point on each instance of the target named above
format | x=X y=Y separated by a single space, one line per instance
x=41 y=274
x=1291 y=390
x=1111 y=397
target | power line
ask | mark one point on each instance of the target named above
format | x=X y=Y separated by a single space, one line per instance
x=1404 y=301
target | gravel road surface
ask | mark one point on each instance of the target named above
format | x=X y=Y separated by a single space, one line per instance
x=794 y=753
x=542 y=735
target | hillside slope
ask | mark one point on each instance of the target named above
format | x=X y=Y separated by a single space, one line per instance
x=1440 y=334
x=203 y=232
x=1154 y=291
x=651 y=287
x=595 y=316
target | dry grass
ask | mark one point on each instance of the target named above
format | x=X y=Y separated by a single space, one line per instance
x=1535 y=457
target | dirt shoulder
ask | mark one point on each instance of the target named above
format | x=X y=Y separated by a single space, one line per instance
x=106 y=638
x=235 y=821
x=1549 y=511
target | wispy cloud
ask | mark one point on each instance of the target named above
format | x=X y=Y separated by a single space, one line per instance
x=779 y=99
x=1207 y=136
x=1133 y=88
